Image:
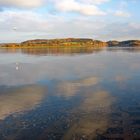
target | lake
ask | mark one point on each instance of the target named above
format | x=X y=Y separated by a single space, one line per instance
x=70 y=94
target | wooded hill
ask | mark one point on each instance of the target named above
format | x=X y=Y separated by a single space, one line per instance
x=72 y=42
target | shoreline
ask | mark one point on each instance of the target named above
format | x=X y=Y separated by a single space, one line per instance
x=70 y=43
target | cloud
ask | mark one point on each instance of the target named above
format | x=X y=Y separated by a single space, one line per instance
x=121 y=31
x=122 y=14
x=75 y=6
x=81 y=6
x=32 y=25
x=21 y=3
x=21 y=20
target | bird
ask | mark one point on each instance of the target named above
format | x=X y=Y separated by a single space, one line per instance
x=14 y=28
x=17 y=66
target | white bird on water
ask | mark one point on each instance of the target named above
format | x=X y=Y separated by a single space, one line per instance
x=17 y=66
x=14 y=28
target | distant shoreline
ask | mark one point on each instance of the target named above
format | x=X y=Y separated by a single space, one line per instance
x=71 y=43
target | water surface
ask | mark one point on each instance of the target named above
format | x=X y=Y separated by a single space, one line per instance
x=73 y=94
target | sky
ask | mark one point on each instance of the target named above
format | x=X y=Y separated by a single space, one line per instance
x=105 y=20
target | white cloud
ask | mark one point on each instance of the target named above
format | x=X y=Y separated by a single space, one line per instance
x=120 y=31
x=37 y=3
x=32 y=25
x=21 y=3
x=85 y=7
x=80 y=7
x=122 y=13
x=25 y=21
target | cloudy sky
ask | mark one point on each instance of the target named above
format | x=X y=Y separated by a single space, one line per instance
x=98 y=19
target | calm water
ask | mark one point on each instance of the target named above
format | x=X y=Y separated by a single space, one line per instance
x=70 y=94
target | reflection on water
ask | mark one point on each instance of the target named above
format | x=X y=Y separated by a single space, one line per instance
x=70 y=97
x=95 y=111
x=19 y=99
x=68 y=89
x=53 y=50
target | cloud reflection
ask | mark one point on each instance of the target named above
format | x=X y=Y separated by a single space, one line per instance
x=70 y=88
x=121 y=78
x=19 y=99
x=94 y=116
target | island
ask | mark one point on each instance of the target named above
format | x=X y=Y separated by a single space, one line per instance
x=71 y=42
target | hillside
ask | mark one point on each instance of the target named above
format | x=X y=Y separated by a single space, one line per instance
x=72 y=42
x=65 y=42
x=128 y=43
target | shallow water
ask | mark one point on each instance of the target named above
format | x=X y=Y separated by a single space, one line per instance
x=70 y=94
